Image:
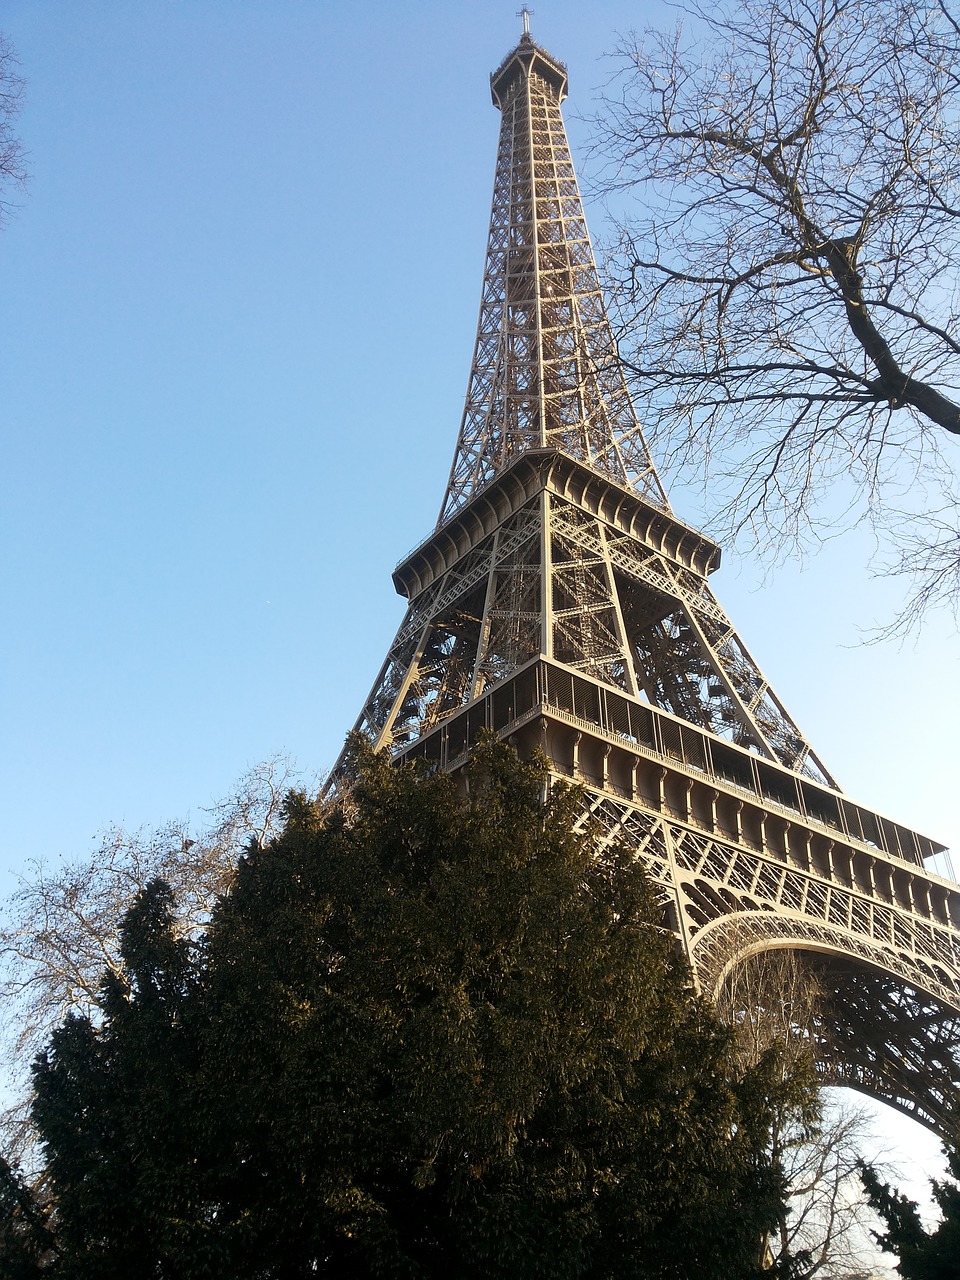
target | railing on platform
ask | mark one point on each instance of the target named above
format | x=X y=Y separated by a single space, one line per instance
x=546 y=686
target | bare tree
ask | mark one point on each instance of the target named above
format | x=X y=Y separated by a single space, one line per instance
x=12 y=155
x=828 y=1225
x=59 y=930
x=790 y=292
x=773 y=999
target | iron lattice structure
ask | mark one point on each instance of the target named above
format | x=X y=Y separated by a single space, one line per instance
x=560 y=602
x=545 y=369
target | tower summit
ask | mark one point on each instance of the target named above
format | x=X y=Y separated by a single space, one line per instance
x=560 y=602
x=545 y=374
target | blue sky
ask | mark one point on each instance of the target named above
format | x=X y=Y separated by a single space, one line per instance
x=238 y=308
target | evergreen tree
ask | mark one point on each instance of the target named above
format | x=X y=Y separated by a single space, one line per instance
x=27 y=1244
x=428 y=1035
x=114 y=1108
x=923 y=1255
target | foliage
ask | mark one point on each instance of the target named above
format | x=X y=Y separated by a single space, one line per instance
x=426 y=1035
x=923 y=1254
x=791 y=291
x=60 y=929
x=27 y=1242
x=119 y=1159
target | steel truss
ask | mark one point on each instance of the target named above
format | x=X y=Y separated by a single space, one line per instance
x=561 y=603
x=886 y=959
x=545 y=372
x=555 y=578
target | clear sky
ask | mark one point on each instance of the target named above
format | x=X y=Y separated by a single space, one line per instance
x=237 y=311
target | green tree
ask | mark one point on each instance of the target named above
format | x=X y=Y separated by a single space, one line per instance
x=923 y=1254
x=60 y=929
x=27 y=1242
x=428 y=1034
x=112 y=1108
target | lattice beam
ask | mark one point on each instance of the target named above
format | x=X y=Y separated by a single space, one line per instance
x=545 y=371
x=561 y=603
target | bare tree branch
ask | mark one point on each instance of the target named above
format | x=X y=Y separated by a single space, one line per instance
x=59 y=930
x=13 y=172
x=774 y=999
x=789 y=294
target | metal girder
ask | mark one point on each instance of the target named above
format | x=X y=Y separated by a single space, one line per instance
x=545 y=368
x=888 y=973
x=557 y=579
x=560 y=602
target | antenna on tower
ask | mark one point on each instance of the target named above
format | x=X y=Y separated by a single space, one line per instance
x=525 y=14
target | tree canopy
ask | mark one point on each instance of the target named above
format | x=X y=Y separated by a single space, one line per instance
x=60 y=929
x=790 y=288
x=923 y=1254
x=428 y=1034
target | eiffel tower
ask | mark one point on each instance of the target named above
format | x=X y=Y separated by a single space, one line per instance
x=560 y=602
